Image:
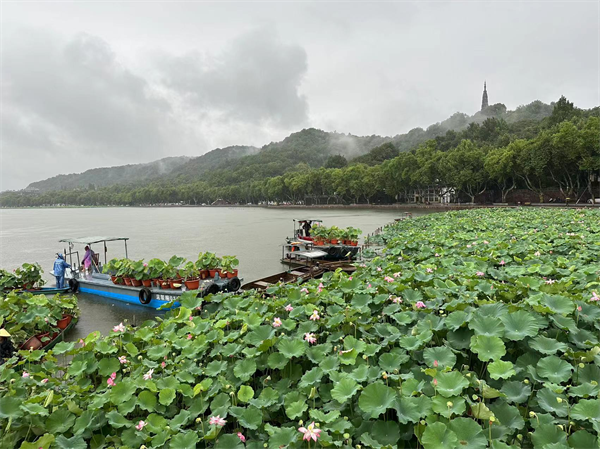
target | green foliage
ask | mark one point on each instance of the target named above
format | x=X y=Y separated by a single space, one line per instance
x=502 y=353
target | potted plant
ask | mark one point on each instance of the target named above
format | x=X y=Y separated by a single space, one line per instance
x=125 y=271
x=8 y=281
x=112 y=268
x=228 y=265
x=353 y=234
x=211 y=262
x=319 y=232
x=189 y=272
x=202 y=270
x=334 y=235
x=173 y=266
x=155 y=270
x=30 y=275
x=138 y=272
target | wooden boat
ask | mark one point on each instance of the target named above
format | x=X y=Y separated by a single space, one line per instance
x=48 y=290
x=100 y=284
x=295 y=275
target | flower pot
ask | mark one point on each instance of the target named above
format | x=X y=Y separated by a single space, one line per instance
x=230 y=274
x=212 y=273
x=33 y=343
x=64 y=321
x=44 y=338
x=192 y=284
x=334 y=241
x=203 y=274
x=319 y=243
x=353 y=243
x=175 y=283
x=114 y=279
x=147 y=282
x=164 y=285
x=127 y=281
x=135 y=282
x=156 y=282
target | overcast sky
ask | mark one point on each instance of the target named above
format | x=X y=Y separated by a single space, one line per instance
x=93 y=84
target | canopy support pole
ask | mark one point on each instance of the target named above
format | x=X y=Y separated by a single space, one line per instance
x=126 y=257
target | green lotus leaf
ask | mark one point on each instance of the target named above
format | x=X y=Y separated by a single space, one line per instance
x=42 y=442
x=62 y=347
x=344 y=389
x=277 y=360
x=548 y=346
x=260 y=334
x=75 y=442
x=83 y=422
x=443 y=355
x=583 y=339
x=469 y=433
x=554 y=369
x=547 y=434
x=487 y=325
x=166 y=396
x=215 y=367
x=559 y=304
x=375 y=399
x=454 y=405
x=220 y=404
x=244 y=369
x=487 y=348
x=283 y=437
x=583 y=440
x=519 y=324
x=456 y=319
x=553 y=402
x=329 y=364
x=291 y=348
x=10 y=407
x=438 y=436
x=507 y=415
x=34 y=409
x=481 y=411
x=385 y=432
x=499 y=369
x=411 y=409
x=229 y=441
x=451 y=383
x=589 y=373
x=184 y=440
x=584 y=390
x=117 y=420
x=60 y=421
x=158 y=351
x=296 y=409
x=122 y=392
x=392 y=361
x=321 y=417
x=586 y=410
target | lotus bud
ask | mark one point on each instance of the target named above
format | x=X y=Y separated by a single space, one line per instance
x=358 y=446
x=559 y=400
x=475 y=397
x=346 y=436
x=365 y=357
x=571 y=423
x=140 y=357
x=300 y=423
x=317 y=425
x=422 y=422
x=526 y=381
x=581 y=365
x=594 y=383
x=228 y=386
x=532 y=414
x=198 y=420
x=492 y=418
x=335 y=348
x=449 y=404
x=520 y=437
x=265 y=445
x=560 y=427
x=345 y=418
x=468 y=374
x=143 y=447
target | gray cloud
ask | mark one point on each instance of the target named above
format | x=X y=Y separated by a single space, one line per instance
x=255 y=79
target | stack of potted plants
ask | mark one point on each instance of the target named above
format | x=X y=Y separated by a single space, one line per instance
x=228 y=266
x=28 y=277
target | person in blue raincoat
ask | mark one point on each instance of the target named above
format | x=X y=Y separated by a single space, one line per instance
x=59 y=270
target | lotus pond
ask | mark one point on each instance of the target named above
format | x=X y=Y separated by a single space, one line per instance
x=474 y=329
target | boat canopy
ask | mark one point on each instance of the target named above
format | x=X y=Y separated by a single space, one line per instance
x=91 y=240
x=318 y=221
x=310 y=254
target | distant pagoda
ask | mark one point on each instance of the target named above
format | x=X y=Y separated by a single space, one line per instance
x=484 y=99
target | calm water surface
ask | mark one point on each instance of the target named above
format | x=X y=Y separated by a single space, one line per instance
x=253 y=234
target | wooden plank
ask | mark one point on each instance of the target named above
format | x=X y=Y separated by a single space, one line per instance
x=262 y=283
x=297 y=273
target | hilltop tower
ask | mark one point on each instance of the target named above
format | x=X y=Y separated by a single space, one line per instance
x=484 y=99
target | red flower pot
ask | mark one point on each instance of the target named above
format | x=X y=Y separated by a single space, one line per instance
x=212 y=273
x=127 y=281
x=44 y=338
x=135 y=282
x=33 y=343
x=147 y=282
x=164 y=285
x=334 y=241
x=192 y=284
x=230 y=274
x=353 y=243
x=174 y=282
x=64 y=321
x=203 y=274
x=114 y=279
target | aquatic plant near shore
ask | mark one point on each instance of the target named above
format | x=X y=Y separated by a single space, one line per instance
x=465 y=371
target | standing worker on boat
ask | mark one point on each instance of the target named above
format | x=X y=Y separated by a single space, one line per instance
x=59 y=270
x=87 y=260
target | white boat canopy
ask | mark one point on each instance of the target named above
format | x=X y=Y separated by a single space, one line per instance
x=91 y=240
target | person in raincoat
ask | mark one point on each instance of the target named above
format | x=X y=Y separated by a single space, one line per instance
x=59 y=270
x=6 y=347
x=87 y=260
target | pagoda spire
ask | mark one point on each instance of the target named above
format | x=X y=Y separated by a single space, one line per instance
x=484 y=99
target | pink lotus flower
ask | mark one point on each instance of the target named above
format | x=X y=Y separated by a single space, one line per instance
x=437 y=255
x=502 y=262
x=289 y=308
x=378 y=269
x=397 y=274
x=435 y=382
x=191 y=318
x=148 y=375
x=315 y=316
x=468 y=246
x=320 y=288
x=119 y=328
x=420 y=305
x=395 y=299
x=163 y=364
x=25 y=374
x=304 y=290
x=122 y=360
x=241 y=437
x=81 y=342
x=388 y=279
x=140 y=425
x=435 y=363
x=537 y=253
x=350 y=278
x=217 y=421
x=310 y=432
x=429 y=270
x=550 y=281
x=369 y=286
x=111 y=380
x=486 y=242
x=276 y=322
x=310 y=338
x=46 y=320
x=190 y=336
x=44 y=381
x=579 y=308
x=145 y=264
x=595 y=297
x=480 y=273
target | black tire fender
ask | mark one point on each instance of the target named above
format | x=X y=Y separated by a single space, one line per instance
x=73 y=285
x=210 y=289
x=145 y=295
x=234 y=284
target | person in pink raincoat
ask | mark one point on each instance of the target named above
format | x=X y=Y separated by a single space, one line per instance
x=87 y=260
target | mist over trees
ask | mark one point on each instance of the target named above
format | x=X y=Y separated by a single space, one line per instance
x=495 y=150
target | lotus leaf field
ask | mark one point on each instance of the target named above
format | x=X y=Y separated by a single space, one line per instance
x=474 y=329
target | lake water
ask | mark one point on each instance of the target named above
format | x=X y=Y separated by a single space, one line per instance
x=253 y=234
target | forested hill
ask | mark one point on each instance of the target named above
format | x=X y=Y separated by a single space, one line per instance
x=309 y=148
